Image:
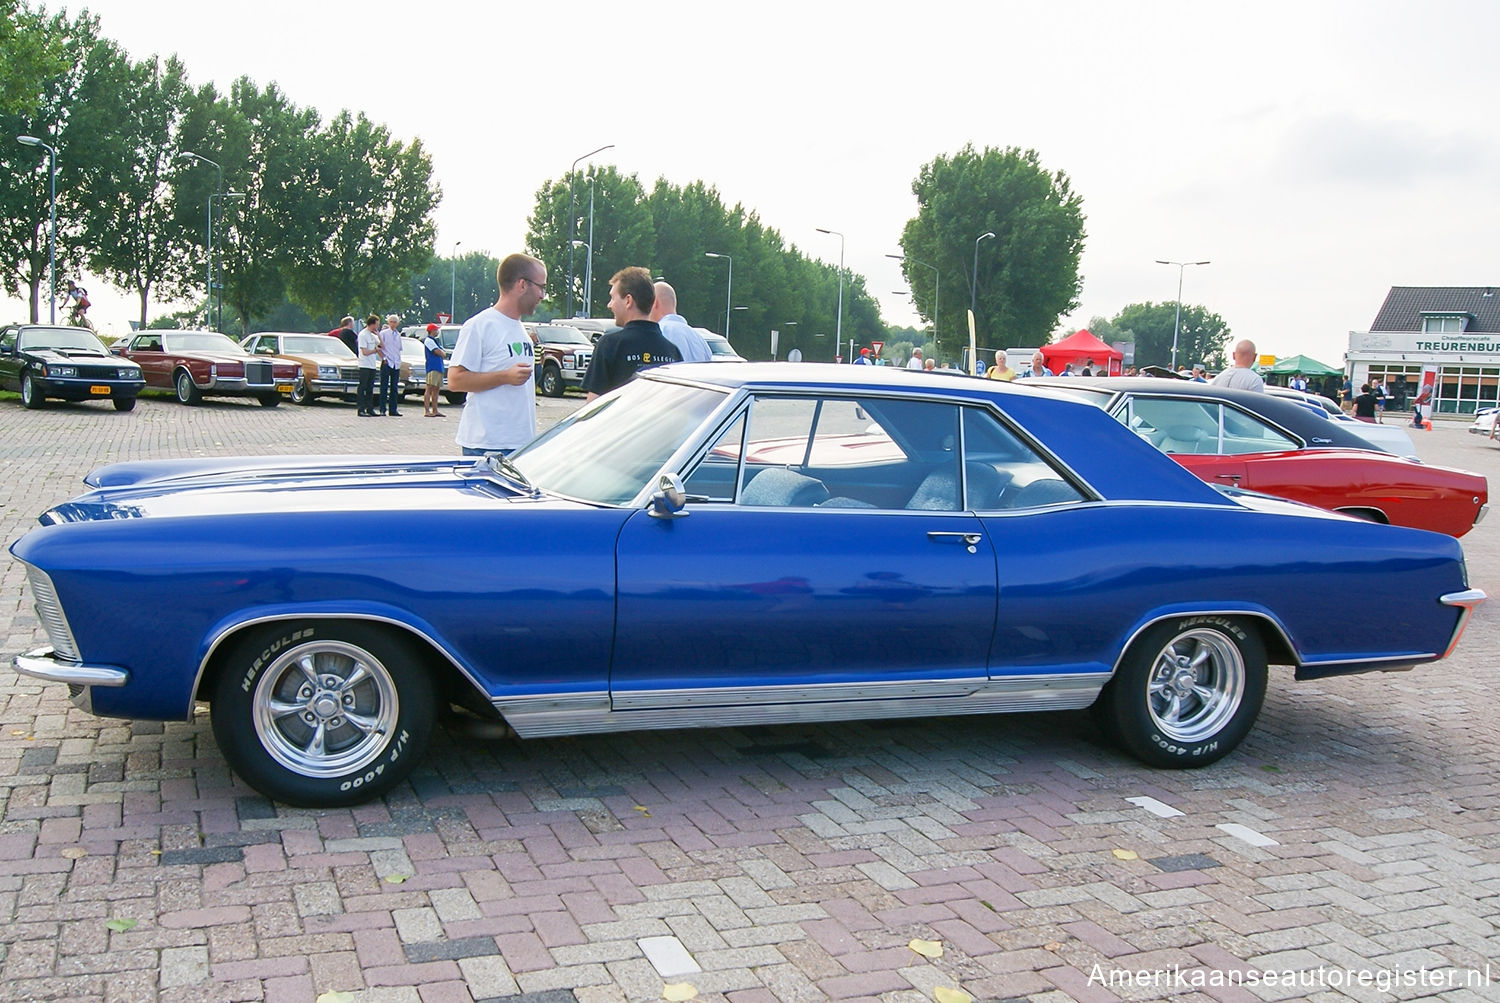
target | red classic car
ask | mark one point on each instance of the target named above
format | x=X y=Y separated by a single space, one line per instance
x=205 y=363
x=1260 y=442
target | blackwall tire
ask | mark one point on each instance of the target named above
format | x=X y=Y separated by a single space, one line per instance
x=1187 y=692
x=323 y=713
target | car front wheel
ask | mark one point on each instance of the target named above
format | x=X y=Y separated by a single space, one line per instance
x=300 y=393
x=322 y=713
x=124 y=403
x=552 y=382
x=1187 y=692
x=30 y=396
x=187 y=390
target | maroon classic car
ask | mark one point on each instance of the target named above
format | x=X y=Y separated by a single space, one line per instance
x=205 y=363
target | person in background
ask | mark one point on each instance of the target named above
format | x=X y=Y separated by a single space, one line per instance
x=1001 y=369
x=915 y=362
x=1198 y=375
x=492 y=363
x=639 y=344
x=1242 y=375
x=346 y=333
x=862 y=359
x=1379 y=389
x=434 y=383
x=368 y=347
x=1038 y=366
x=1364 y=404
x=692 y=345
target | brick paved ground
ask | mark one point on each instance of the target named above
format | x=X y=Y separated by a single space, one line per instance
x=787 y=863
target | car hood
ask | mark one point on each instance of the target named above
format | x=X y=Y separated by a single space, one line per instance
x=77 y=355
x=407 y=488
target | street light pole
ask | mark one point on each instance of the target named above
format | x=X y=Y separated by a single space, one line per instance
x=588 y=268
x=209 y=276
x=728 y=286
x=590 y=251
x=52 y=212
x=1177 y=320
x=937 y=278
x=224 y=199
x=838 y=335
x=453 y=281
x=573 y=220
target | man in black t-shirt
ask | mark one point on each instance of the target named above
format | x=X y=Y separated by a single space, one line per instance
x=639 y=344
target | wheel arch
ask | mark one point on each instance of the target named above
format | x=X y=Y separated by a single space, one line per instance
x=1271 y=632
x=1367 y=512
x=454 y=680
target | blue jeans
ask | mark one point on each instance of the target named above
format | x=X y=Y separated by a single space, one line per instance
x=390 y=388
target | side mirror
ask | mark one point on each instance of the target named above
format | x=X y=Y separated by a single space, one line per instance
x=670 y=498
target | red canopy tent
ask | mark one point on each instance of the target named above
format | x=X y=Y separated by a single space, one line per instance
x=1078 y=348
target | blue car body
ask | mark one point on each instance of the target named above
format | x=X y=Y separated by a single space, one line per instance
x=570 y=614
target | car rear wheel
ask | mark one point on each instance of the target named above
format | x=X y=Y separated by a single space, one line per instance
x=30 y=395
x=270 y=400
x=322 y=713
x=124 y=403
x=552 y=381
x=187 y=390
x=1187 y=692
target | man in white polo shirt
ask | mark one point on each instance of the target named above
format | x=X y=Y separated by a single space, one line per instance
x=492 y=363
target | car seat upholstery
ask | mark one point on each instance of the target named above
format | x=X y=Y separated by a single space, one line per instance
x=938 y=491
x=1047 y=491
x=778 y=487
x=1185 y=439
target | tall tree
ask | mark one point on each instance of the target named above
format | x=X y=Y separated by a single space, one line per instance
x=376 y=198
x=123 y=130
x=24 y=183
x=1027 y=273
x=463 y=285
x=267 y=141
x=1201 y=338
x=32 y=55
x=621 y=229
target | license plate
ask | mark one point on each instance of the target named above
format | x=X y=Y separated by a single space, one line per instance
x=285 y=388
x=99 y=390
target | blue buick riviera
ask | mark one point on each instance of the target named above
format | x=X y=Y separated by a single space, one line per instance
x=713 y=546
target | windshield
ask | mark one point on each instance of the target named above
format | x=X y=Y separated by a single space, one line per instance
x=556 y=334
x=319 y=344
x=63 y=337
x=607 y=451
x=200 y=341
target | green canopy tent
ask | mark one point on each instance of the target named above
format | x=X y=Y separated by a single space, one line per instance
x=1302 y=365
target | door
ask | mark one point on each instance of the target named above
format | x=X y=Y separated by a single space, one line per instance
x=799 y=573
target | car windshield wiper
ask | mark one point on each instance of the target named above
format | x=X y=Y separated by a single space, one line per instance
x=501 y=466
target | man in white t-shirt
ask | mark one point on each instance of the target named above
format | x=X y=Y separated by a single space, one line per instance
x=369 y=366
x=915 y=362
x=492 y=363
x=1242 y=375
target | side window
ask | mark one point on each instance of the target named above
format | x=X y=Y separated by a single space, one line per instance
x=836 y=452
x=1174 y=426
x=265 y=346
x=1246 y=434
x=1002 y=472
x=8 y=340
x=717 y=474
x=147 y=343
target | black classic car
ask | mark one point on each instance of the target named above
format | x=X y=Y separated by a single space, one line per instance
x=67 y=363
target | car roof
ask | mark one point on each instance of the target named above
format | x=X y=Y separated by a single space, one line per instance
x=1080 y=434
x=1312 y=427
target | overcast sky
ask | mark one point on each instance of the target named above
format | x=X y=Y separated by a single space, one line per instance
x=1316 y=153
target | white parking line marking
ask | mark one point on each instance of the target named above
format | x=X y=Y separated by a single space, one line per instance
x=1246 y=833
x=1155 y=807
x=668 y=956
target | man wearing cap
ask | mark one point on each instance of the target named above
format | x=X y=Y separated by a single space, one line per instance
x=435 y=356
x=864 y=358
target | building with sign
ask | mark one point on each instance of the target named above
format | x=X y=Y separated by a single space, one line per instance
x=1454 y=329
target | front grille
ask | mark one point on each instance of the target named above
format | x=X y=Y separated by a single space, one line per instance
x=99 y=372
x=49 y=611
x=258 y=374
x=349 y=373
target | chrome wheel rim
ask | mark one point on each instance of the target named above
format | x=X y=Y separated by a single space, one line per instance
x=28 y=389
x=1196 y=684
x=325 y=708
x=184 y=387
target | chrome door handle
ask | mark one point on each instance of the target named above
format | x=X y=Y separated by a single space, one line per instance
x=970 y=540
x=1228 y=477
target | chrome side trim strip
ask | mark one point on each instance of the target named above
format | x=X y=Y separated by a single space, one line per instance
x=586 y=713
x=42 y=663
x=1467 y=600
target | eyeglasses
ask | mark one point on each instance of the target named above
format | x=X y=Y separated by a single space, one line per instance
x=540 y=287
